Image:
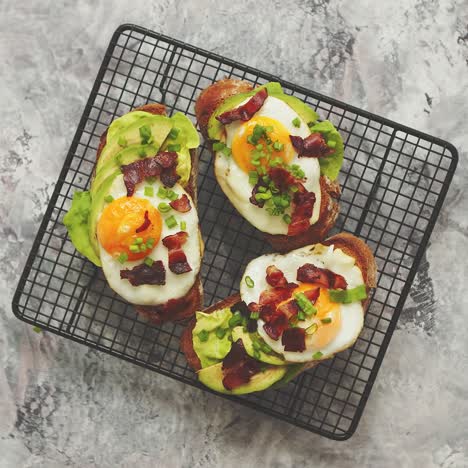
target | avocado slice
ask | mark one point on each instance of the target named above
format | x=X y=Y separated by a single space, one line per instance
x=159 y=126
x=212 y=377
x=97 y=202
x=125 y=156
x=123 y=122
x=259 y=355
x=306 y=113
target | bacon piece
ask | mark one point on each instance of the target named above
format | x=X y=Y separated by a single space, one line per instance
x=282 y=178
x=275 y=277
x=144 y=274
x=182 y=204
x=290 y=309
x=276 y=326
x=293 y=339
x=303 y=205
x=312 y=294
x=146 y=224
x=314 y=146
x=163 y=164
x=177 y=260
x=238 y=367
x=309 y=273
x=276 y=295
x=246 y=111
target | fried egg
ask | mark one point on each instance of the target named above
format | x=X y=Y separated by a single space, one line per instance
x=233 y=172
x=116 y=231
x=346 y=321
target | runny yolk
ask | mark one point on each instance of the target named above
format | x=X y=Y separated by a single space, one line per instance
x=242 y=149
x=119 y=221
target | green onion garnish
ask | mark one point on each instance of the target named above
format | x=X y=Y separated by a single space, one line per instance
x=164 y=207
x=304 y=304
x=259 y=146
x=149 y=191
x=172 y=195
x=235 y=320
x=256 y=354
x=183 y=225
x=218 y=146
x=301 y=315
x=171 y=222
x=174 y=147
x=346 y=296
x=249 y=282
x=255 y=315
x=138 y=240
x=220 y=332
x=277 y=146
x=143 y=248
x=253 y=178
x=134 y=248
x=296 y=122
x=123 y=257
x=317 y=355
x=174 y=133
x=162 y=192
x=331 y=143
x=265 y=347
x=326 y=320
x=149 y=261
x=145 y=134
x=150 y=242
x=203 y=335
x=122 y=141
x=287 y=218
x=108 y=198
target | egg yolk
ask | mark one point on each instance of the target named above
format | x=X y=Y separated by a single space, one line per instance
x=242 y=150
x=330 y=311
x=119 y=221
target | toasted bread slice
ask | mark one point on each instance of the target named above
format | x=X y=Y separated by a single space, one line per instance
x=207 y=103
x=185 y=307
x=351 y=245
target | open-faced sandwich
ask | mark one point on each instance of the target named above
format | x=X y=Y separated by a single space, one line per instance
x=273 y=159
x=293 y=311
x=139 y=221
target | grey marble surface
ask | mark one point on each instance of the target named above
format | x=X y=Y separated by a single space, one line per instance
x=62 y=404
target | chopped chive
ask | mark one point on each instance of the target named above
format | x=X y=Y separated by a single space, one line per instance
x=326 y=320
x=304 y=304
x=255 y=315
x=138 y=240
x=256 y=354
x=220 y=332
x=256 y=163
x=174 y=133
x=296 y=122
x=172 y=195
x=256 y=345
x=122 y=141
x=142 y=153
x=150 y=243
x=108 y=198
x=310 y=124
x=218 y=146
x=259 y=146
x=301 y=315
x=134 y=248
x=149 y=191
x=263 y=196
x=262 y=189
x=235 y=320
x=143 y=248
x=265 y=348
x=162 y=192
x=203 y=335
x=145 y=134
x=317 y=355
x=183 y=225
x=278 y=146
x=287 y=219
x=37 y=329
x=149 y=261
x=249 y=282
x=331 y=143
x=253 y=178
x=123 y=257
x=174 y=147
x=164 y=207
x=312 y=329
x=171 y=222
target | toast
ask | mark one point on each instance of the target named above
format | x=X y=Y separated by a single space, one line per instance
x=207 y=103
x=349 y=244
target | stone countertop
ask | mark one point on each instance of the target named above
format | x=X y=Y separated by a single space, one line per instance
x=62 y=404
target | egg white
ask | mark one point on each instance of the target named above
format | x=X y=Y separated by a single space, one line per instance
x=352 y=315
x=176 y=286
x=235 y=182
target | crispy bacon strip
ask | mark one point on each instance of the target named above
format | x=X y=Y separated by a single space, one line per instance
x=163 y=164
x=238 y=367
x=177 y=259
x=275 y=277
x=290 y=308
x=282 y=178
x=309 y=273
x=293 y=339
x=314 y=146
x=144 y=274
x=303 y=205
x=276 y=325
x=246 y=111
x=146 y=224
x=276 y=295
x=312 y=294
x=182 y=204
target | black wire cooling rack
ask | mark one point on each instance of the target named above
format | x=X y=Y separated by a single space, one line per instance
x=394 y=181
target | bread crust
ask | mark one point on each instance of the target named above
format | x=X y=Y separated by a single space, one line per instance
x=350 y=244
x=207 y=103
x=178 y=310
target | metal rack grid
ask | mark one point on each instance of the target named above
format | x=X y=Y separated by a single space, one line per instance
x=394 y=181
